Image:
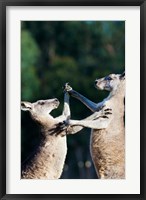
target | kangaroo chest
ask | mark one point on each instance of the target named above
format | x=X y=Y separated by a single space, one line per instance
x=107 y=146
x=48 y=160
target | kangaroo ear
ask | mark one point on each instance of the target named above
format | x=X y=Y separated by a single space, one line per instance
x=26 y=106
x=122 y=76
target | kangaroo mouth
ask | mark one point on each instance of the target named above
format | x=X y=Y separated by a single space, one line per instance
x=98 y=87
x=56 y=104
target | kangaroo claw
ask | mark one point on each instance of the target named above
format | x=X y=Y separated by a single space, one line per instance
x=67 y=87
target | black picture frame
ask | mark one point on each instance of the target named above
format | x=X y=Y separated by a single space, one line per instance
x=3 y=182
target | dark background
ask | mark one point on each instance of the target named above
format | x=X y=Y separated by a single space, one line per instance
x=77 y=52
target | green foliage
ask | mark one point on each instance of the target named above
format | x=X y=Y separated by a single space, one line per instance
x=30 y=83
x=78 y=52
x=30 y=51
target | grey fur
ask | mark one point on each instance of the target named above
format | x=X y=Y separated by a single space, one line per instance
x=107 y=144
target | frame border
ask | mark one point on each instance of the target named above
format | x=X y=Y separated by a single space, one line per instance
x=3 y=5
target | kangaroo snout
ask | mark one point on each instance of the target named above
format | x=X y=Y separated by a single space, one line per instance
x=96 y=84
x=96 y=81
x=56 y=102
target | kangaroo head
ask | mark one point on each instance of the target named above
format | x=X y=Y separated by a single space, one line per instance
x=110 y=82
x=40 y=110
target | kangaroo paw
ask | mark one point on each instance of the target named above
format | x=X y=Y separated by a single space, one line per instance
x=60 y=127
x=108 y=109
x=67 y=87
x=106 y=113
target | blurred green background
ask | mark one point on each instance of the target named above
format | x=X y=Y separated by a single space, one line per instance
x=78 y=52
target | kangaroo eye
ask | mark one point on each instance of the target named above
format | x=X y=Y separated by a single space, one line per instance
x=41 y=102
x=108 y=78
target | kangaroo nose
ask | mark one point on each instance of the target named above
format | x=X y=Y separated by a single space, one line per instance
x=56 y=100
x=96 y=81
x=56 y=103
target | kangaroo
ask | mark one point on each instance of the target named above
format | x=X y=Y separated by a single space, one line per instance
x=107 y=143
x=48 y=159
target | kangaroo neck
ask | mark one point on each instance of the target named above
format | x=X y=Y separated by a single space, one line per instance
x=119 y=93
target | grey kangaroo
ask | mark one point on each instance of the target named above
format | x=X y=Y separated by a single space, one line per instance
x=47 y=161
x=107 y=143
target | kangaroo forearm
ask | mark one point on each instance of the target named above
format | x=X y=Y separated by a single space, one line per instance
x=93 y=116
x=74 y=129
x=91 y=105
x=96 y=124
x=66 y=109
